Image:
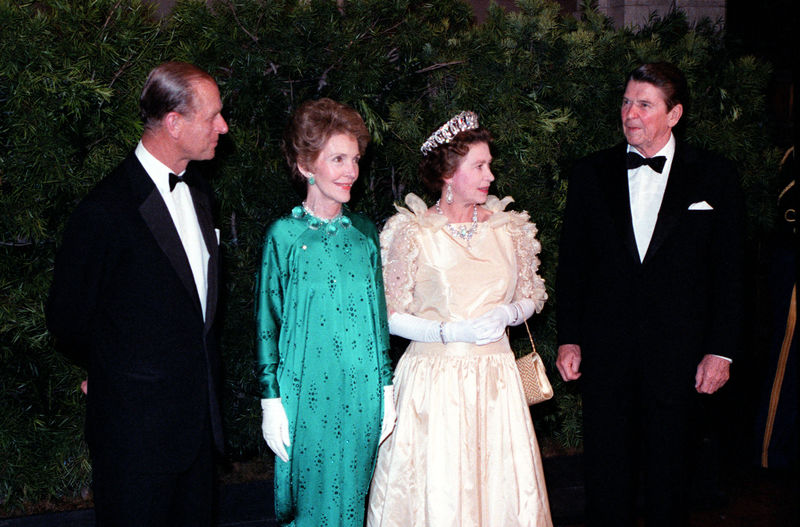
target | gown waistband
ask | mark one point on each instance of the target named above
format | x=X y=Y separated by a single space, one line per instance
x=459 y=349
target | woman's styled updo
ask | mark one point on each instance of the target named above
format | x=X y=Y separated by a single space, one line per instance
x=313 y=123
x=442 y=161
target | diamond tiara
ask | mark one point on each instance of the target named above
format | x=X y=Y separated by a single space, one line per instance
x=460 y=123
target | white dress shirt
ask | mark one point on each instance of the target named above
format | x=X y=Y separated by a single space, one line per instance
x=646 y=190
x=181 y=209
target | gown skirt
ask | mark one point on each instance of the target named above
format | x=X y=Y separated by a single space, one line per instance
x=463 y=452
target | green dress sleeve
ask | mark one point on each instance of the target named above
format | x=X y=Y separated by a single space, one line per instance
x=270 y=306
x=382 y=324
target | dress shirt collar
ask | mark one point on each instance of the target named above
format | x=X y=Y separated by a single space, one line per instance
x=158 y=171
x=668 y=151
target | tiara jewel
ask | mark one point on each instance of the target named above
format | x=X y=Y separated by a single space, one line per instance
x=460 y=123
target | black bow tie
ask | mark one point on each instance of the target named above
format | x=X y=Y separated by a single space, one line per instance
x=656 y=163
x=174 y=180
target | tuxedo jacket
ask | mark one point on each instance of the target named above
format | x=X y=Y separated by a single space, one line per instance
x=124 y=305
x=650 y=322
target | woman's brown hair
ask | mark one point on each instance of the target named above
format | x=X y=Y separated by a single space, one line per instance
x=442 y=161
x=312 y=124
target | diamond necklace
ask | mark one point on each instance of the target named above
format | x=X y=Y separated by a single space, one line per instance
x=462 y=232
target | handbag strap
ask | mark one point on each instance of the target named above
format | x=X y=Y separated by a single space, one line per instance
x=530 y=337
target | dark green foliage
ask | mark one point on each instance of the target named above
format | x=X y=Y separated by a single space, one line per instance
x=547 y=87
x=69 y=82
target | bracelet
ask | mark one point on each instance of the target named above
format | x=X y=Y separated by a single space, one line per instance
x=441 y=332
x=518 y=314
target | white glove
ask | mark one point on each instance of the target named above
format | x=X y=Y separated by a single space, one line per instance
x=523 y=309
x=471 y=330
x=275 y=427
x=416 y=328
x=490 y=327
x=389 y=414
x=420 y=329
x=482 y=330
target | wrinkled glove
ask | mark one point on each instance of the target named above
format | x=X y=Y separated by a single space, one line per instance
x=482 y=330
x=489 y=327
x=389 y=414
x=523 y=309
x=421 y=329
x=471 y=330
x=415 y=328
x=275 y=427
x=477 y=330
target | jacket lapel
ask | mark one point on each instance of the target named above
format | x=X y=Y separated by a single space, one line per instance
x=156 y=216
x=202 y=206
x=615 y=183
x=674 y=202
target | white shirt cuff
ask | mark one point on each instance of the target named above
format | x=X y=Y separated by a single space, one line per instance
x=722 y=357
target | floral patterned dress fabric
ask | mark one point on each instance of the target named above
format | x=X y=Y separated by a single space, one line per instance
x=322 y=342
x=463 y=452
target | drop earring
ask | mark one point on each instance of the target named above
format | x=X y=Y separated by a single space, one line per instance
x=448 y=195
x=311 y=180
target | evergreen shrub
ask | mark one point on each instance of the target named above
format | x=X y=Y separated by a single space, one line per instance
x=547 y=86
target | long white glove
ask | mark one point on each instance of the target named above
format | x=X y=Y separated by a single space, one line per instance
x=275 y=427
x=514 y=314
x=481 y=330
x=389 y=413
x=412 y=327
x=492 y=325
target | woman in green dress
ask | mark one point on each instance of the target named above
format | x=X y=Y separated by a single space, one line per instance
x=322 y=332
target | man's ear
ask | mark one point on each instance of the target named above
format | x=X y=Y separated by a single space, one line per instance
x=173 y=123
x=674 y=115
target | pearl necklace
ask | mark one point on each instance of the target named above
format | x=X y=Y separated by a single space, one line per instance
x=330 y=225
x=462 y=232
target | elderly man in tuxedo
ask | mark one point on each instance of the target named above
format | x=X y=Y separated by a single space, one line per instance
x=649 y=300
x=134 y=299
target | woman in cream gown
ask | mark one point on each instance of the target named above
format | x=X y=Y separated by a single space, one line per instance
x=463 y=451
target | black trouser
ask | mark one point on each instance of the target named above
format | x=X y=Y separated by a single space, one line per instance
x=124 y=496
x=635 y=447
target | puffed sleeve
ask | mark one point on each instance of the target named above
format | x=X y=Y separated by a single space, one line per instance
x=269 y=298
x=526 y=249
x=399 y=251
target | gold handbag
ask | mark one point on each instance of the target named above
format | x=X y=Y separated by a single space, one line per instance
x=534 y=377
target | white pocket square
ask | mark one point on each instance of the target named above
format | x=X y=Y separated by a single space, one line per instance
x=700 y=205
x=216 y=231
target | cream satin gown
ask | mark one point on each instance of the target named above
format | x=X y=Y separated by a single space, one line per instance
x=463 y=452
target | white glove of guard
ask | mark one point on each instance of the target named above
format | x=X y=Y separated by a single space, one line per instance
x=389 y=413
x=275 y=427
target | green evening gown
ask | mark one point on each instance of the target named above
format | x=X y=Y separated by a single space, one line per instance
x=322 y=348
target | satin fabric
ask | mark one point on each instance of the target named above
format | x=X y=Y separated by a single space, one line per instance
x=322 y=341
x=463 y=452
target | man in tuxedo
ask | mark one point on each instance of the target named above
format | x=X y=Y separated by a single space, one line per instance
x=133 y=300
x=649 y=300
